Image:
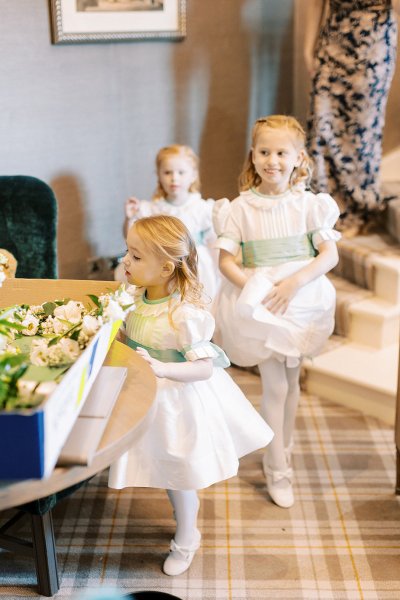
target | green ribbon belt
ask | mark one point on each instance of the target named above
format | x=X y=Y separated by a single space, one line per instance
x=167 y=355
x=266 y=253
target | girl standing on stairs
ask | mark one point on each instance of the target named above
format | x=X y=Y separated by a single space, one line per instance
x=200 y=423
x=277 y=306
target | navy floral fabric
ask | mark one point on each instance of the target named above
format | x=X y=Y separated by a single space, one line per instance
x=355 y=60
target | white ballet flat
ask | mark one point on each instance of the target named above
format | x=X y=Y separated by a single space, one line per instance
x=179 y=558
x=279 y=485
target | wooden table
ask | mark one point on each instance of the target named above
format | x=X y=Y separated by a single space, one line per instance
x=136 y=397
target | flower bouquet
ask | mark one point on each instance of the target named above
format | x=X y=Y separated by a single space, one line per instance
x=50 y=354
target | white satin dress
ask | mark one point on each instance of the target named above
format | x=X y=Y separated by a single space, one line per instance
x=195 y=433
x=281 y=234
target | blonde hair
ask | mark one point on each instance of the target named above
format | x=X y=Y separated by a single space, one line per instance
x=176 y=150
x=249 y=177
x=168 y=238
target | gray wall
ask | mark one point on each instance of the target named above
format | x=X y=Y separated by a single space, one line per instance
x=89 y=118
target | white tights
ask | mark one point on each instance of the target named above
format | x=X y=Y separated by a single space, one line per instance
x=280 y=397
x=186 y=506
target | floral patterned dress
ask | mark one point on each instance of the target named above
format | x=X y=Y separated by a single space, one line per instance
x=355 y=60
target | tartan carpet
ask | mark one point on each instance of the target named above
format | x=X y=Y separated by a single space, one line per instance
x=341 y=539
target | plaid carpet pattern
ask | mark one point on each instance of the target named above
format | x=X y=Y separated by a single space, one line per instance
x=341 y=539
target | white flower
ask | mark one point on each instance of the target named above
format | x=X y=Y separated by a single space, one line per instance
x=65 y=352
x=124 y=298
x=70 y=349
x=39 y=352
x=25 y=389
x=113 y=311
x=91 y=324
x=72 y=311
x=59 y=328
x=31 y=325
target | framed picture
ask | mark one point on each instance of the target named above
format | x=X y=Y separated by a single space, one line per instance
x=77 y=21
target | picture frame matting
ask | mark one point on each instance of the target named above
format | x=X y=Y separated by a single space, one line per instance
x=82 y=21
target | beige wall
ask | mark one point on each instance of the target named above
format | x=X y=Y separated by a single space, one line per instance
x=89 y=118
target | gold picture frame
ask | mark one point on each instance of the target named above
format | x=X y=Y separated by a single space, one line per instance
x=81 y=21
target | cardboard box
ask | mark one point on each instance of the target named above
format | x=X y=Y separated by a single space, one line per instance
x=31 y=440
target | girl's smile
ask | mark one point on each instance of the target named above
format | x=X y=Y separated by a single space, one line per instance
x=274 y=157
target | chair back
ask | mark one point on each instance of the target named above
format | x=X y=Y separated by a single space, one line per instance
x=28 y=225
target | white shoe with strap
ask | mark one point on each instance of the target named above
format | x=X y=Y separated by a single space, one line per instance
x=180 y=558
x=279 y=485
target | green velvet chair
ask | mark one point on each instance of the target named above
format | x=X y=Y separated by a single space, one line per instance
x=28 y=225
x=28 y=229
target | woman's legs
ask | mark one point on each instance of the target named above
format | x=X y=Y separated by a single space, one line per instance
x=187 y=537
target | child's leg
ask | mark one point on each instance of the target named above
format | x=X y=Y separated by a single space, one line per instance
x=274 y=392
x=187 y=537
x=292 y=401
x=273 y=404
x=186 y=506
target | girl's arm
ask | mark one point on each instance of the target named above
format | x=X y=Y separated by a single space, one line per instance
x=232 y=271
x=314 y=18
x=278 y=299
x=185 y=372
x=132 y=206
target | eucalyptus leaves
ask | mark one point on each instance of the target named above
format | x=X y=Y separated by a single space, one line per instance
x=38 y=343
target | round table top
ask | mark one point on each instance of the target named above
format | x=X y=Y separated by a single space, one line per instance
x=134 y=400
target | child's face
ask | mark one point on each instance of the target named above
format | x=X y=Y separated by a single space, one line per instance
x=176 y=174
x=275 y=155
x=143 y=267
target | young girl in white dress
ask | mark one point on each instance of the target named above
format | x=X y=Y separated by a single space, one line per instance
x=178 y=195
x=200 y=423
x=278 y=306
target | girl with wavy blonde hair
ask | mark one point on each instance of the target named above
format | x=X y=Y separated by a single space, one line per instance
x=200 y=423
x=277 y=306
x=301 y=174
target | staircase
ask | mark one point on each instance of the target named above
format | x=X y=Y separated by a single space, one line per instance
x=359 y=365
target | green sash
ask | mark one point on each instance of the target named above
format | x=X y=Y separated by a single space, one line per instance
x=266 y=253
x=167 y=355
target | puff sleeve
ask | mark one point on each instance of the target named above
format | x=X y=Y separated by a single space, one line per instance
x=321 y=219
x=229 y=236
x=195 y=329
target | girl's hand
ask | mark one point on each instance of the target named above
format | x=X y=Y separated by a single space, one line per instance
x=281 y=294
x=159 y=368
x=131 y=207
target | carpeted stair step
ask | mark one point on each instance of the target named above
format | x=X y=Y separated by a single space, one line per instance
x=374 y=322
x=356 y=376
x=347 y=293
x=371 y=262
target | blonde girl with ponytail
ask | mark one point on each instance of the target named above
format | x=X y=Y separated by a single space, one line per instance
x=200 y=423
